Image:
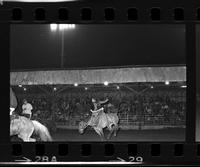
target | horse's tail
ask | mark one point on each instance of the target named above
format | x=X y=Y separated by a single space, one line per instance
x=42 y=131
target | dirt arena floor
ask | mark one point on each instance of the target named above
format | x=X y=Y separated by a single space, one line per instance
x=166 y=135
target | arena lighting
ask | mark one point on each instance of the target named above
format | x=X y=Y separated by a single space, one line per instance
x=184 y=86
x=166 y=82
x=54 y=88
x=106 y=83
x=118 y=87
x=75 y=84
x=151 y=86
x=61 y=27
x=25 y=89
x=86 y=88
x=20 y=86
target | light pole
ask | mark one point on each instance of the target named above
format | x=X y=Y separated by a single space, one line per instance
x=62 y=28
x=62 y=48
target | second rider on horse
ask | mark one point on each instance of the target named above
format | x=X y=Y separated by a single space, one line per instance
x=26 y=109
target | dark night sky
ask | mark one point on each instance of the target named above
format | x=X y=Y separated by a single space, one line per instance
x=35 y=46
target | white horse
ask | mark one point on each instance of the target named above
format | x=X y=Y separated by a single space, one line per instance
x=24 y=128
x=109 y=121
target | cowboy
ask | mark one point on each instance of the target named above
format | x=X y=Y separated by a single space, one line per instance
x=98 y=104
x=13 y=101
x=95 y=113
x=26 y=109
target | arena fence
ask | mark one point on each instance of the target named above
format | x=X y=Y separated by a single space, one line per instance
x=131 y=121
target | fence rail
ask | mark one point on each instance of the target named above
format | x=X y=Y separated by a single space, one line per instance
x=132 y=121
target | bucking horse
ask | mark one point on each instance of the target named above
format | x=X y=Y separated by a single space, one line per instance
x=100 y=122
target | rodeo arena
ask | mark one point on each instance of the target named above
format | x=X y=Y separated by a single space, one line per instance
x=139 y=103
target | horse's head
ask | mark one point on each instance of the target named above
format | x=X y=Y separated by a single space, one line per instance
x=82 y=126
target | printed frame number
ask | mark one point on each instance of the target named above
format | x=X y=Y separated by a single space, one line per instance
x=45 y=159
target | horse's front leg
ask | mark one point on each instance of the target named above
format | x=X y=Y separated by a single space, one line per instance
x=100 y=133
x=24 y=137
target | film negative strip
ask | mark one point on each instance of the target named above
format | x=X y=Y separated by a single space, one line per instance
x=100 y=82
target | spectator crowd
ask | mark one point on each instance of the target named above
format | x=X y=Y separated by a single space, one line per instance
x=151 y=107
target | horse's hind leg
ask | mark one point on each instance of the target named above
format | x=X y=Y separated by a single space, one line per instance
x=98 y=132
x=111 y=131
x=116 y=127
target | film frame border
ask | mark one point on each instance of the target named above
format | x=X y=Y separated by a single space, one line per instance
x=191 y=18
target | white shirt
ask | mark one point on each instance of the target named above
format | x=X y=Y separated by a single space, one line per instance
x=27 y=108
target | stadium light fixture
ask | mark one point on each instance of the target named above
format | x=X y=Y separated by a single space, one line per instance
x=20 y=86
x=86 y=88
x=61 y=28
x=25 y=89
x=106 y=83
x=184 y=86
x=118 y=87
x=166 y=82
x=54 y=88
x=151 y=86
x=76 y=84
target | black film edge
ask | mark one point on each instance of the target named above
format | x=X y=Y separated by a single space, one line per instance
x=67 y=58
